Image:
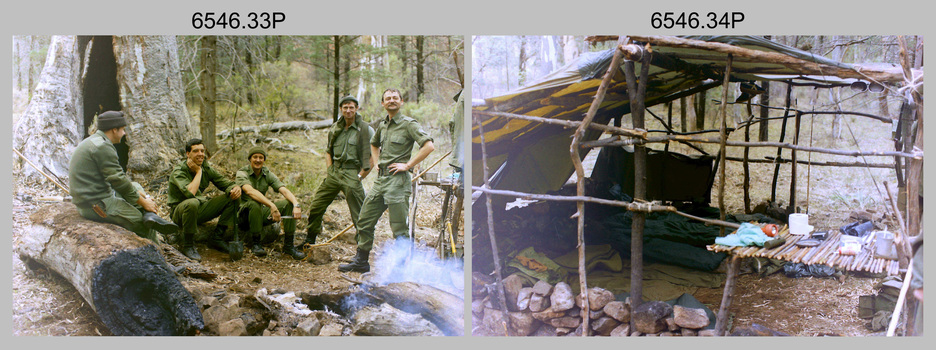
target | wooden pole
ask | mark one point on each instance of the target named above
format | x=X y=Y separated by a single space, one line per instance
x=747 y=170
x=636 y=90
x=721 y=320
x=723 y=135
x=796 y=130
x=776 y=172
x=580 y=179
x=499 y=289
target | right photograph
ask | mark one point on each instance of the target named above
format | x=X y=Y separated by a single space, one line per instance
x=697 y=185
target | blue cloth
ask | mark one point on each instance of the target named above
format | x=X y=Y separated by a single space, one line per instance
x=747 y=235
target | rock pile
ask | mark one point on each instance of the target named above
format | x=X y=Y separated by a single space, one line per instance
x=554 y=310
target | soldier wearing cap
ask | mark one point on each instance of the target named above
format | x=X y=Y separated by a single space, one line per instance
x=189 y=205
x=348 y=161
x=257 y=210
x=101 y=189
x=392 y=147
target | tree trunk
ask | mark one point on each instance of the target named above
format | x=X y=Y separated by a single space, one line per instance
x=122 y=276
x=521 y=64
x=420 y=63
x=336 y=77
x=51 y=126
x=443 y=309
x=209 y=95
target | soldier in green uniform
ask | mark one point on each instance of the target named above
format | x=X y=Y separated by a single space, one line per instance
x=392 y=146
x=189 y=205
x=257 y=210
x=348 y=159
x=101 y=189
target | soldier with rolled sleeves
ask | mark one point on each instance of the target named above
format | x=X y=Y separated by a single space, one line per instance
x=257 y=210
x=348 y=161
x=189 y=205
x=101 y=189
x=392 y=146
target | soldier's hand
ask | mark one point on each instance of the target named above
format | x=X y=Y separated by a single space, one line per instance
x=396 y=167
x=195 y=168
x=276 y=214
x=235 y=192
x=297 y=212
x=147 y=204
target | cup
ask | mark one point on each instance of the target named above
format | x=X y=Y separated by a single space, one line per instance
x=799 y=224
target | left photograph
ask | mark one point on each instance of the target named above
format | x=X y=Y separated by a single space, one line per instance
x=238 y=185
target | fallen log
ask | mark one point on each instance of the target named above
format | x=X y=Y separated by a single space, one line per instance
x=443 y=309
x=385 y=320
x=276 y=127
x=122 y=276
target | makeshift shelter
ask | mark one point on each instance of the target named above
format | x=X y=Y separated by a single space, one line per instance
x=529 y=138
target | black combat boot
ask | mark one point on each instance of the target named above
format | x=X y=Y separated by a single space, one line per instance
x=153 y=221
x=288 y=247
x=358 y=264
x=216 y=239
x=310 y=238
x=254 y=243
x=188 y=247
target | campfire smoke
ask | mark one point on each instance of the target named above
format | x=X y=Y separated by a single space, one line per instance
x=400 y=261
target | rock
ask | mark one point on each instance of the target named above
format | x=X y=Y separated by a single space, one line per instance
x=562 y=331
x=522 y=323
x=604 y=325
x=565 y=322
x=538 y=302
x=230 y=300
x=707 y=333
x=597 y=298
x=594 y=315
x=756 y=330
x=650 y=317
x=512 y=286
x=544 y=330
x=666 y=334
x=477 y=306
x=207 y=301
x=320 y=256
x=686 y=332
x=547 y=314
x=671 y=324
x=478 y=283
x=332 y=330
x=562 y=298
x=311 y=326
x=255 y=319
x=618 y=311
x=690 y=317
x=574 y=312
x=523 y=298
x=232 y=328
x=652 y=335
x=216 y=315
x=542 y=288
x=622 y=330
x=493 y=321
x=636 y=334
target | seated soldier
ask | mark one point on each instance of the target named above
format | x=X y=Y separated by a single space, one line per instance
x=101 y=189
x=189 y=205
x=257 y=210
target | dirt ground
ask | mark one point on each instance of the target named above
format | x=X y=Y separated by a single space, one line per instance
x=46 y=304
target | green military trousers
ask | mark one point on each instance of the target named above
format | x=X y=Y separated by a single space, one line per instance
x=253 y=216
x=338 y=180
x=192 y=212
x=389 y=192
x=120 y=212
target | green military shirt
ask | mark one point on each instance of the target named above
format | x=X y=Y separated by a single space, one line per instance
x=94 y=172
x=262 y=182
x=181 y=176
x=349 y=148
x=395 y=139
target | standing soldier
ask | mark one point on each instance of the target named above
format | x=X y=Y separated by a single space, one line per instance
x=100 y=188
x=392 y=146
x=348 y=159
x=190 y=206
x=256 y=179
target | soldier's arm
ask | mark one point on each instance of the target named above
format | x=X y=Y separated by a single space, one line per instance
x=424 y=150
x=372 y=160
x=328 y=160
x=196 y=181
x=179 y=180
x=223 y=183
x=297 y=212
x=106 y=158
